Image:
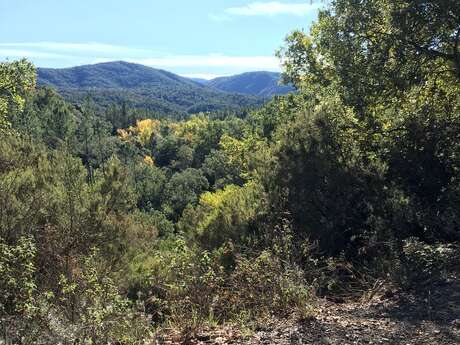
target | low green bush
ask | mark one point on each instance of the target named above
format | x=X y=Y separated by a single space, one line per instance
x=422 y=264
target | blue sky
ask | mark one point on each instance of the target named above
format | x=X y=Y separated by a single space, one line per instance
x=204 y=38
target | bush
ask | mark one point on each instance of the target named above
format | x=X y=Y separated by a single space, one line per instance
x=190 y=288
x=17 y=284
x=87 y=309
x=262 y=286
x=422 y=264
x=223 y=215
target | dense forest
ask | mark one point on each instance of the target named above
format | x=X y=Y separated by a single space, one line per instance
x=157 y=93
x=115 y=225
x=262 y=84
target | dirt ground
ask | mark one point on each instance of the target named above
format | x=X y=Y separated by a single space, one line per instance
x=391 y=317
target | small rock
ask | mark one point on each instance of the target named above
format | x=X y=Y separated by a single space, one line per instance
x=203 y=337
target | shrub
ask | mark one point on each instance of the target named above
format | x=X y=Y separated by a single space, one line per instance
x=87 y=309
x=262 y=286
x=190 y=288
x=422 y=264
x=17 y=284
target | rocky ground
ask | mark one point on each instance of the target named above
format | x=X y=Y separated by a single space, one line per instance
x=390 y=317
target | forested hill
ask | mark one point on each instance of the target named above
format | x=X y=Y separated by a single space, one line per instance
x=262 y=84
x=142 y=87
x=117 y=74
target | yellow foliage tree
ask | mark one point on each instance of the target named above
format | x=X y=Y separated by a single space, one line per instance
x=141 y=132
x=145 y=129
x=224 y=214
x=149 y=160
x=192 y=128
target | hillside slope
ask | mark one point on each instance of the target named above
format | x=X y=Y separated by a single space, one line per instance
x=142 y=87
x=261 y=84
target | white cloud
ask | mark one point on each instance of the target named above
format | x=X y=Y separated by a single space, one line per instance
x=214 y=60
x=274 y=8
x=204 y=66
x=201 y=66
x=207 y=76
x=20 y=53
x=91 y=47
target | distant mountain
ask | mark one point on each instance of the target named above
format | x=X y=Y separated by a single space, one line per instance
x=261 y=84
x=200 y=80
x=142 y=87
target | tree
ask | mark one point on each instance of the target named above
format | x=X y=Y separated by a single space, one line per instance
x=182 y=189
x=56 y=118
x=220 y=171
x=375 y=49
x=16 y=79
x=379 y=82
x=149 y=184
x=227 y=214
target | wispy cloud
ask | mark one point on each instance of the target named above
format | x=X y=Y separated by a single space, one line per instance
x=207 y=76
x=213 y=60
x=274 y=8
x=21 y=53
x=201 y=66
x=91 y=47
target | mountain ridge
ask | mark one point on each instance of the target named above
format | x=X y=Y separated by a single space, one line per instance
x=257 y=83
x=117 y=70
x=143 y=87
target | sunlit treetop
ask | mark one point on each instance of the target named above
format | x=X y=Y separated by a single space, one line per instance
x=16 y=79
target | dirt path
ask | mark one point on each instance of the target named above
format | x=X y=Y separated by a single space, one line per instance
x=393 y=318
x=398 y=320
